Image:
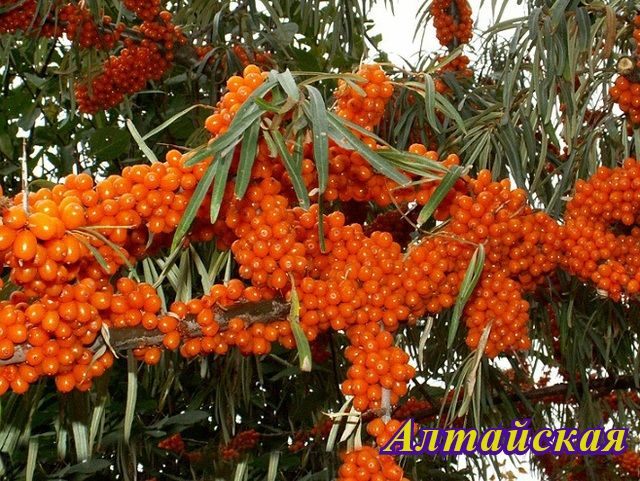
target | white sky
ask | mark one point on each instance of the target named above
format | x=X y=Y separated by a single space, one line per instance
x=397 y=31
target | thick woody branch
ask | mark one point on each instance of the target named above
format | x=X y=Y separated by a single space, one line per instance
x=122 y=339
x=598 y=387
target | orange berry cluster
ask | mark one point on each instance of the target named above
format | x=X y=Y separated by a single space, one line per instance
x=400 y=225
x=365 y=110
x=629 y=463
x=173 y=443
x=600 y=235
x=243 y=441
x=238 y=90
x=366 y=464
x=351 y=177
x=139 y=62
x=452 y=20
x=375 y=365
x=267 y=249
x=522 y=247
x=626 y=93
x=383 y=431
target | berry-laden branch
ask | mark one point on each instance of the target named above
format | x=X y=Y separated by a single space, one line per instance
x=66 y=250
x=138 y=337
x=150 y=48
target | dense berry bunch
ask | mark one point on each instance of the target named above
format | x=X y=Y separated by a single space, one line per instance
x=397 y=223
x=173 y=443
x=365 y=106
x=376 y=365
x=410 y=407
x=124 y=74
x=351 y=177
x=238 y=90
x=600 y=236
x=243 y=441
x=452 y=20
x=383 y=431
x=626 y=94
x=80 y=27
x=25 y=17
x=629 y=463
x=366 y=464
x=140 y=61
x=146 y=10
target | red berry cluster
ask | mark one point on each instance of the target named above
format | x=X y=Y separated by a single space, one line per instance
x=173 y=443
x=626 y=93
x=80 y=27
x=24 y=16
x=243 y=441
x=409 y=407
x=316 y=434
x=629 y=463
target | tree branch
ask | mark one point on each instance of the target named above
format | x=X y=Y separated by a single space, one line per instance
x=122 y=339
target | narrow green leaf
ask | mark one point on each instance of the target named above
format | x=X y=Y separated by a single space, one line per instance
x=430 y=102
x=450 y=111
x=246 y=115
x=114 y=247
x=141 y=143
x=471 y=277
x=247 y=158
x=132 y=395
x=440 y=193
x=338 y=131
x=274 y=459
x=194 y=204
x=302 y=343
x=221 y=173
x=288 y=84
x=95 y=253
x=169 y=121
x=205 y=280
x=323 y=247
x=32 y=458
x=293 y=170
x=320 y=127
